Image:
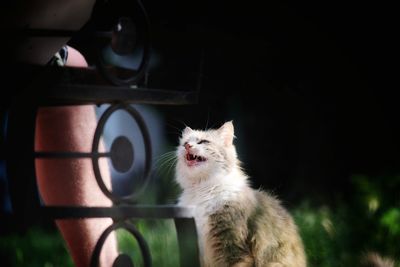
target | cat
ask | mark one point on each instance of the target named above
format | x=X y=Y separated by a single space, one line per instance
x=237 y=225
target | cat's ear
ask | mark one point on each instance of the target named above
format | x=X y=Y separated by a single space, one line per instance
x=227 y=132
x=187 y=130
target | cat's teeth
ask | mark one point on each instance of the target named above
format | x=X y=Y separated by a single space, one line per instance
x=191 y=157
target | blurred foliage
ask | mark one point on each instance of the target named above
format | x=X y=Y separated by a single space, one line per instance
x=37 y=247
x=369 y=220
x=335 y=235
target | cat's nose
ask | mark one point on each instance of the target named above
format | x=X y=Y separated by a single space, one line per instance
x=187 y=146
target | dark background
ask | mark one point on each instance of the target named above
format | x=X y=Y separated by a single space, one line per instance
x=310 y=87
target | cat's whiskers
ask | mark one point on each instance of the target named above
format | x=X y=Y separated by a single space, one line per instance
x=165 y=156
x=166 y=162
x=172 y=165
x=208 y=118
x=177 y=127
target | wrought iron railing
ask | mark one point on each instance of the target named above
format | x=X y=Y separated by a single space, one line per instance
x=70 y=86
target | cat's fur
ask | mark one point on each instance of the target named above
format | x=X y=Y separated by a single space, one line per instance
x=237 y=225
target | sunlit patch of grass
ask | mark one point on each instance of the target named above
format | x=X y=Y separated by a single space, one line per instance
x=160 y=236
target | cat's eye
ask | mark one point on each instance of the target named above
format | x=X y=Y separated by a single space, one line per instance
x=203 y=141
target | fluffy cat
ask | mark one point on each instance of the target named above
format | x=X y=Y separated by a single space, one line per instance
x=237 y=225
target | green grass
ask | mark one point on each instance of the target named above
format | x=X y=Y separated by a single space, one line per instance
x=161 y=238
x=35 y=248
x=334 y=236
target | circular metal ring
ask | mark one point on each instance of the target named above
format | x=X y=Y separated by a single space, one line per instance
x=144 y=249
x=96 y=155
x=144 y=64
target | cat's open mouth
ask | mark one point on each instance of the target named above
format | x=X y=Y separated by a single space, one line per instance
x=193 y=159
